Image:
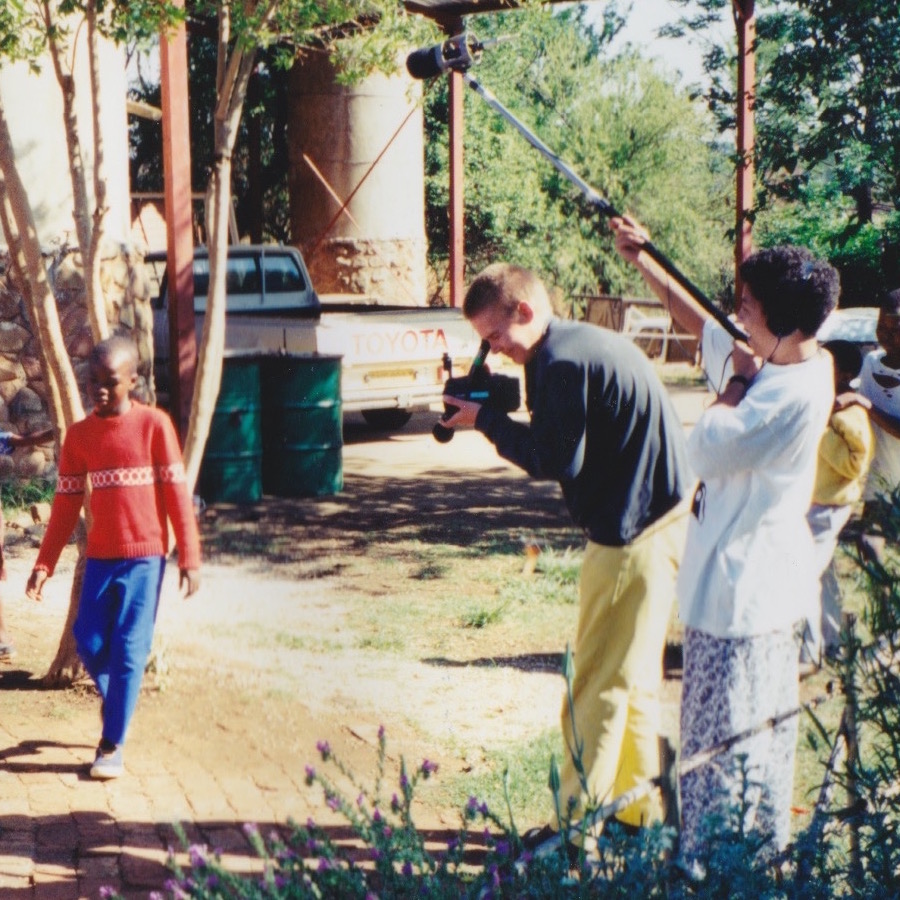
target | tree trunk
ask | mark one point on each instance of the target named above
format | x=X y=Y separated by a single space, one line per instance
x=66 y=667
x=233 y=76
x=21 y=236
x=30 y=261
x=88 y=228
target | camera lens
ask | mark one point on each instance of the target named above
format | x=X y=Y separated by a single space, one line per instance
x=442 y=434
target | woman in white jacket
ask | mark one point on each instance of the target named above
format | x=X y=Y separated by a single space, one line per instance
x=748 y=574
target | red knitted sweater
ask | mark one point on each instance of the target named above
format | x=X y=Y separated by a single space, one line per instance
x=135 y=470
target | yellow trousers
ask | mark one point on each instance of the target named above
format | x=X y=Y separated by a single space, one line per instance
x=626 y=599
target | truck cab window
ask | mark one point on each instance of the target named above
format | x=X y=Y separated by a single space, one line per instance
x=282 y=274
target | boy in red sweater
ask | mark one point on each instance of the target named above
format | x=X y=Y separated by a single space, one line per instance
x=129 y=457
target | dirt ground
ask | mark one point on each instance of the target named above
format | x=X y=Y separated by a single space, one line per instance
x=276 y=651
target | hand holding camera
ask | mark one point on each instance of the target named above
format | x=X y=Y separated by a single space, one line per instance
x=466 y=394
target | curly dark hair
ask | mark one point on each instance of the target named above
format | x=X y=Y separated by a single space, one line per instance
x=795 y=290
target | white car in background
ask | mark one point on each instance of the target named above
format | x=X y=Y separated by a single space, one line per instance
x=855 y=324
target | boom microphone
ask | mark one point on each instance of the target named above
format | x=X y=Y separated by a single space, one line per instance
x=459 y=52
x=456 y=54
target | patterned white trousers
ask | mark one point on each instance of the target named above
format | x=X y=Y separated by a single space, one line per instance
x=732 y=685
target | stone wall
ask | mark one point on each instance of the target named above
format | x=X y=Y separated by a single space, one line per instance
x=379 y=268
x=23 y=388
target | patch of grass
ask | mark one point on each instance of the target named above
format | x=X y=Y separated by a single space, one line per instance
x=431 y=571
x=527 y=765
x=482 y=616
x=384 y=643
x=18 y=494
x=555 y=580
x=305 y=642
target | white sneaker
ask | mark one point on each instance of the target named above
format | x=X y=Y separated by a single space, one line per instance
x=108 y=765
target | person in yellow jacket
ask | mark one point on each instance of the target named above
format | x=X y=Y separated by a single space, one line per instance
x=845 y=453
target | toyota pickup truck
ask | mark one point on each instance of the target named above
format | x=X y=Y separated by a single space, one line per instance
x=392 y=356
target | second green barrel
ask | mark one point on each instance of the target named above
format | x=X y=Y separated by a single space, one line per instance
x=302 y=425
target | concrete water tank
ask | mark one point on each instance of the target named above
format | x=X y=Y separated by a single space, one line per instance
x=364 y=142
x=34 y=111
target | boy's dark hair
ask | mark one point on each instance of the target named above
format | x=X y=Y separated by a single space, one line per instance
x=847 y=355
x=890 y=302
x=795 y=290
x=114 y=346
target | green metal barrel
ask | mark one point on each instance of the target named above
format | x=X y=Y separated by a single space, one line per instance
x=302 y=425
x=231 y=471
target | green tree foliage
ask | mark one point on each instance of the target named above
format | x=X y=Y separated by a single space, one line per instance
x=263 y=125
x=828 y=130
x=617 y=121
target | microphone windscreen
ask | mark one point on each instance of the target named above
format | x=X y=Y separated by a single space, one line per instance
x=425 y=63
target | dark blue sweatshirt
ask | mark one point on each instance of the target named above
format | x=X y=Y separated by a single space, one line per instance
x=602 y=425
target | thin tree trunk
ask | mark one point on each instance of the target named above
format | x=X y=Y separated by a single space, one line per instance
x=21 y=235
x=233 y=77
x=96 y=300
x=31 y=262
x=89 y=232
x=67 y=667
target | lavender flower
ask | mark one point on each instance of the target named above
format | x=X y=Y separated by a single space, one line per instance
x=324 y=749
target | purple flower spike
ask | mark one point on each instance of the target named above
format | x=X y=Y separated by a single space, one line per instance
x=429 y=767
x=324 y=749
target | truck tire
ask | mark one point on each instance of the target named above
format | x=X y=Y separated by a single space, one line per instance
x=386 y=419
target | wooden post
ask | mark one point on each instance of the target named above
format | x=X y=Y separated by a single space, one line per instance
x=179 y=224
x=457 y=212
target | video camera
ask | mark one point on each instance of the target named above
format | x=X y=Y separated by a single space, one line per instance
x=479 y=386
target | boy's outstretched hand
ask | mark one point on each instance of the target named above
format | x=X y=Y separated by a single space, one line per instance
x=35 y=584
x=189 y=580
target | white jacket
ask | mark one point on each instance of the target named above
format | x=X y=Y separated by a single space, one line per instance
x=749 y=566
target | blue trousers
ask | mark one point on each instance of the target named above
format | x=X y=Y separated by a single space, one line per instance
x=114 y=632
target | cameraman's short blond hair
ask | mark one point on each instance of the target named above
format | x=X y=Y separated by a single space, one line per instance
x=504 y=285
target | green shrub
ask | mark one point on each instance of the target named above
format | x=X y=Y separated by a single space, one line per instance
x=18 y=494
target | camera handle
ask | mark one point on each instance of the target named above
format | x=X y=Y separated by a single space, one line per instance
x=603 y=206
x=442 y=434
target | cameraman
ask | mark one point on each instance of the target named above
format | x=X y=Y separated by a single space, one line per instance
x=602 y=426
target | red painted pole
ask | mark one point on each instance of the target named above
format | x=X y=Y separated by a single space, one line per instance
x=457 y=213
x=179 y=224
